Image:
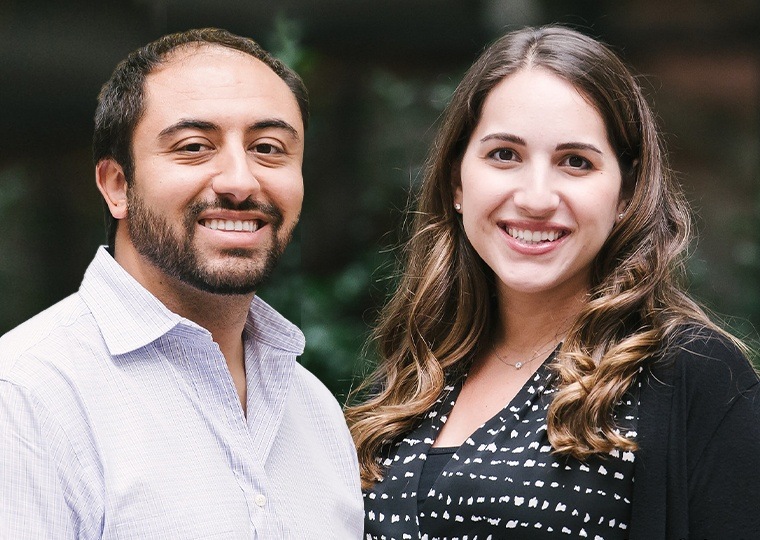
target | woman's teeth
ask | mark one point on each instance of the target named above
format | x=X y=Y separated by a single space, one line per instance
x=533 y=237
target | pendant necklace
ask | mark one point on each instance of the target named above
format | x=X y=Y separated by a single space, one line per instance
x=516 y=365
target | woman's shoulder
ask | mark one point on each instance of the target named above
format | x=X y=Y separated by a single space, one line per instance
x=708 y=361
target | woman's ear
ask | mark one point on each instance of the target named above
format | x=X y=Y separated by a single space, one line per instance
x=456 y=185
x=112 y=184
x=623 y=206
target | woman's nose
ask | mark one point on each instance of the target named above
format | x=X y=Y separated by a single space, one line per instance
x=536 y=195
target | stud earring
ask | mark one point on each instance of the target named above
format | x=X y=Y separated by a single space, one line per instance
x=621 y=216
x=457 y=207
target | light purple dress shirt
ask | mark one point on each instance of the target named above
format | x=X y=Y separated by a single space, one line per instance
x=119 y=420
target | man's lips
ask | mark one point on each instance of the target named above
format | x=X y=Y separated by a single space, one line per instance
x=248 y=216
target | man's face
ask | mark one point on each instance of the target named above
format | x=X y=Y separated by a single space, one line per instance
x=217 y=186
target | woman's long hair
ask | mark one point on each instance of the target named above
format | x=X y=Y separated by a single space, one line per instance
x=443 y=308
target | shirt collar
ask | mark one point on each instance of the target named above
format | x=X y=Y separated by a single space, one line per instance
x=266 y=325
x=130 y=317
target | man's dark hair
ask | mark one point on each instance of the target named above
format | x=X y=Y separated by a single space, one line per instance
x=121 y=100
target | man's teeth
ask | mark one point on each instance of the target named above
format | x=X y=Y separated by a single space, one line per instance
x=533 y=237
x=230 y=225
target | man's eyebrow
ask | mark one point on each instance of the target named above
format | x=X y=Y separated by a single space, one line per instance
x=578 y=146
x=275 y=123
x=189 y=123
x=202 y=125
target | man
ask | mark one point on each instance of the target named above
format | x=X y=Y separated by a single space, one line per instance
x=163 y=399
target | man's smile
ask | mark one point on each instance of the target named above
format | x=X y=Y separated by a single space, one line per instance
x=231 y=225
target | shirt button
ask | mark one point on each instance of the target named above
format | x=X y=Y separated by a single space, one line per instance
x=260 y=500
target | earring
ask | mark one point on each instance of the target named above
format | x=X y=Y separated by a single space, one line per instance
x=457 y=207
x=621 y=216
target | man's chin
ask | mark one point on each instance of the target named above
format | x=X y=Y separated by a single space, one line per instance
x=225 y=289
x=230 y=277
x=239 y=253
x=232 y=271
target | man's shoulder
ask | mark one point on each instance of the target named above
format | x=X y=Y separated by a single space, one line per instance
x=266 y=325
x=316 y=412
x=313 y=389
x=49 y=335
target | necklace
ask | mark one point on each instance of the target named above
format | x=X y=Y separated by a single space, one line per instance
x=517 y=365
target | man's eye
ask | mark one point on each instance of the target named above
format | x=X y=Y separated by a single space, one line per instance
x=193 y=147
x=266 y=148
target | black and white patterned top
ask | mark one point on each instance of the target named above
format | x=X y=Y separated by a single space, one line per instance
x=503 y=482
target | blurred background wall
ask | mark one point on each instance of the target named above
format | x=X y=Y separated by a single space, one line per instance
x=379 y=74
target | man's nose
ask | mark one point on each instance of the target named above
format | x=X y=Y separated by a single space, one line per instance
x=236 y=178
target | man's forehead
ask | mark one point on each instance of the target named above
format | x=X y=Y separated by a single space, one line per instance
x=214 y=72
x=213 y=83
x=189 y=54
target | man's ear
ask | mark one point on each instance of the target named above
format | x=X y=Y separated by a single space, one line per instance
x=112 y=184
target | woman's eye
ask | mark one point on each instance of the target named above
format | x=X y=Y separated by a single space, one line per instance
x=577 y=162
x=503 y=154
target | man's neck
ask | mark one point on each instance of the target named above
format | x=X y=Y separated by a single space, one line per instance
x=224 y=316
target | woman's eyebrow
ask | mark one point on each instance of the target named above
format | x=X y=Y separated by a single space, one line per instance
x=507 y=137
x=578 y=146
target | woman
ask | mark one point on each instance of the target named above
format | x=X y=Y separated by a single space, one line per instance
x=542 y=372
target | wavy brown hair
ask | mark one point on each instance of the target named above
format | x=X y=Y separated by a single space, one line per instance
x=444 y=308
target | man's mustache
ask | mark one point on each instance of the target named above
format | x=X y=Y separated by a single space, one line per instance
x=222 y=203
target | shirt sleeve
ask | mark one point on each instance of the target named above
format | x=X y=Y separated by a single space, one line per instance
x=45 y=491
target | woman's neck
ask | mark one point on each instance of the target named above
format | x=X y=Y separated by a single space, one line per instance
x=529 y=323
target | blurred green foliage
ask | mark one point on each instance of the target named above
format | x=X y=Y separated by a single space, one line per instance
x=336 y=311
x=330 y=311
x=18 y=272
x=746 y=257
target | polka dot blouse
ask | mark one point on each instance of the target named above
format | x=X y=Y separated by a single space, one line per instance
x=503 y=482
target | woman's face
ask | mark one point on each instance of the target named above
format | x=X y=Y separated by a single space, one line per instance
x=539 y=186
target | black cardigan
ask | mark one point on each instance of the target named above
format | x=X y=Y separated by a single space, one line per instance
x=697 y=472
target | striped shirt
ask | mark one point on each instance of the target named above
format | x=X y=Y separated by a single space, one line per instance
x=119 y=419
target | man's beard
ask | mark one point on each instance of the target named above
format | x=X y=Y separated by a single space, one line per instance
x=175 y=255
